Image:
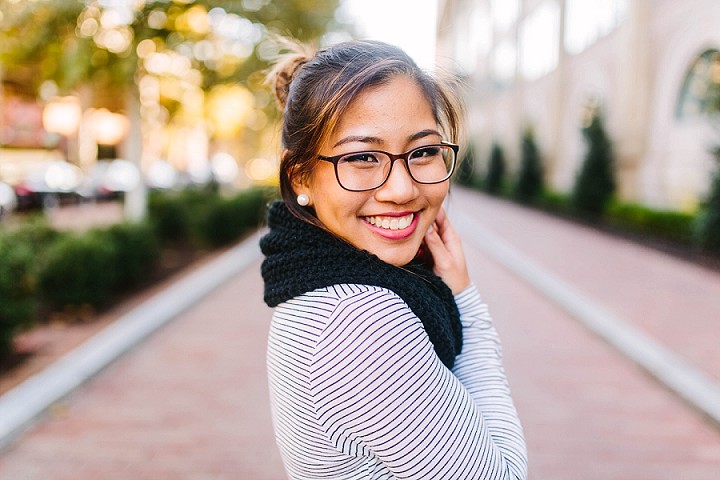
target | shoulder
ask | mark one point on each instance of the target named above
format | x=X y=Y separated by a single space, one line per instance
x=341 y=307
x=328 y=300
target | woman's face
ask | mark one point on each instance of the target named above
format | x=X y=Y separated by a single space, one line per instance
x=392 y=220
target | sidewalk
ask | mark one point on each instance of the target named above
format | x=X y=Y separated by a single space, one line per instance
x=588 y=411
x=190 y=402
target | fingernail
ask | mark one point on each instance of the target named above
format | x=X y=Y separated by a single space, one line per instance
x=430 y=229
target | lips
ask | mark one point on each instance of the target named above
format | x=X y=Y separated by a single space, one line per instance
x=391 y=223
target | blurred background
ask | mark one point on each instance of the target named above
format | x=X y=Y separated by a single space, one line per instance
x=109 y=98
x=651 y=67
x=138 y=136
x=114 y=97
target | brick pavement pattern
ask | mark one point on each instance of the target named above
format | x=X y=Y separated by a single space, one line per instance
x=674 y=301
x=588 y=412
x=191 y=401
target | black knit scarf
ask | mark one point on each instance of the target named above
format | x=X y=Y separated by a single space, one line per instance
x=301 y=257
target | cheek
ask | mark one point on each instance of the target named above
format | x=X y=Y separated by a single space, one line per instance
x=435 y=198
x=436 y=194
x=337 y=209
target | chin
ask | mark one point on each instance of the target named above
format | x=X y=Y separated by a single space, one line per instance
x=398 y=258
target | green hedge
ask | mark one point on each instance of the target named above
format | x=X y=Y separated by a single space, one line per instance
x=224 y=220
x=89 y=268
x=205 y=217
x=17 y=291
x=20 y=251
x=40 y=267
x=171 y=213
x=670 y=225
x=136 y=249
x=78 y=270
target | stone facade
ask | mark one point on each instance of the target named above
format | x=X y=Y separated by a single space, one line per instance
x=634 y=72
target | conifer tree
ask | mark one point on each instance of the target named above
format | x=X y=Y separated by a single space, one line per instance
x=496 y=170
x=595 y=184
x=529 y=184
x=708 y=223
x=465 y=174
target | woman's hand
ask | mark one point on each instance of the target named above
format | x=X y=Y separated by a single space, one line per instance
x=448 y=256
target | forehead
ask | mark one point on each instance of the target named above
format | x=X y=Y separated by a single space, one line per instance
x=396 y=108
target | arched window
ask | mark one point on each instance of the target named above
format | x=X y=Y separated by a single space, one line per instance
x=700 y=94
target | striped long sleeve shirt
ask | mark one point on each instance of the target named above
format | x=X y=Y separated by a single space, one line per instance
x=357 y=392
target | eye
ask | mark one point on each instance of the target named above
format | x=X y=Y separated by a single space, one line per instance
x=425 y=152
x=362 y=157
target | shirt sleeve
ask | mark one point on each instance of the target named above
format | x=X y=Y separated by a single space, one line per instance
x=379 y=390
x=480 y=369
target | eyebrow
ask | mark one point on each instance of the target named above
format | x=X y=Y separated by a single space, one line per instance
x=378 y=141
x=425 y=133
x=358 y=138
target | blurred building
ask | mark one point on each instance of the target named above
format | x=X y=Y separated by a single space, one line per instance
x=651 y=66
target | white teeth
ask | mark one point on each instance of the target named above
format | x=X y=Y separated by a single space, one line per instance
x=391 y=223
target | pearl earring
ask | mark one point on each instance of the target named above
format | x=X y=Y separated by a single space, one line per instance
x=303 y=200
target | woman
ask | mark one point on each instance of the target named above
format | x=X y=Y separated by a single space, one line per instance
x=383 y=361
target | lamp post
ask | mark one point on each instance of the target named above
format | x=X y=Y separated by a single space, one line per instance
x=62 y=115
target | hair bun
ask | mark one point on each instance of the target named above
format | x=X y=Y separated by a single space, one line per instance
x=286 y=67
x=285 y=76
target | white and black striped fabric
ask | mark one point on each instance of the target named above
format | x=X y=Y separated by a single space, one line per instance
x=357 y=392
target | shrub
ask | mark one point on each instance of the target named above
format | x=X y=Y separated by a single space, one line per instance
x=595 y=184
x=255 y=201
x=669 y=225
x=213 y=224
x=529 y=184
x=169 y=216
x=135 y=252
x=42 y=267
x=707 y=228
x=78 y=270
x=555 y=201
x=17 y=291
x=495 y=177
x=35 y=233
x=465 y=174
x=223 y=220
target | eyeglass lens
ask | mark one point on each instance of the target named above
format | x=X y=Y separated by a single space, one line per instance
x=368 y=170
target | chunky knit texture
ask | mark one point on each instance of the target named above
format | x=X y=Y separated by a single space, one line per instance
x=301 y=257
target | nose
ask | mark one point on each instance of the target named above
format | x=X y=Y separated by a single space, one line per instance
x=399 y=187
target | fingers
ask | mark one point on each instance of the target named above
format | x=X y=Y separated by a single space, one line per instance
x=435 y=244
x=447 y=233
x=442 y=221
x=445 y=246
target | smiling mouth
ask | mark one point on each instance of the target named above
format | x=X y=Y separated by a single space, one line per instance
x=391 y=223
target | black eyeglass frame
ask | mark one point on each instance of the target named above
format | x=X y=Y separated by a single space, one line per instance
x=404 y=156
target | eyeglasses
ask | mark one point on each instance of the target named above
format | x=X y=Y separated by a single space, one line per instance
x=368 y=170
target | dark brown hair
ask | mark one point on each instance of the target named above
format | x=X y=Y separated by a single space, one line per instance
x=315 y=89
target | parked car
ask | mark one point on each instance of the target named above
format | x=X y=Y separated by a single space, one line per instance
x=50 y=183
x=109 y=179
x=8 y=199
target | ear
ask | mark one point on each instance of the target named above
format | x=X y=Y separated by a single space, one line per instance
x=298 y=181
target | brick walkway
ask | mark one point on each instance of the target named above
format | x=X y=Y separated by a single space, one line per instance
x=191 y=402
